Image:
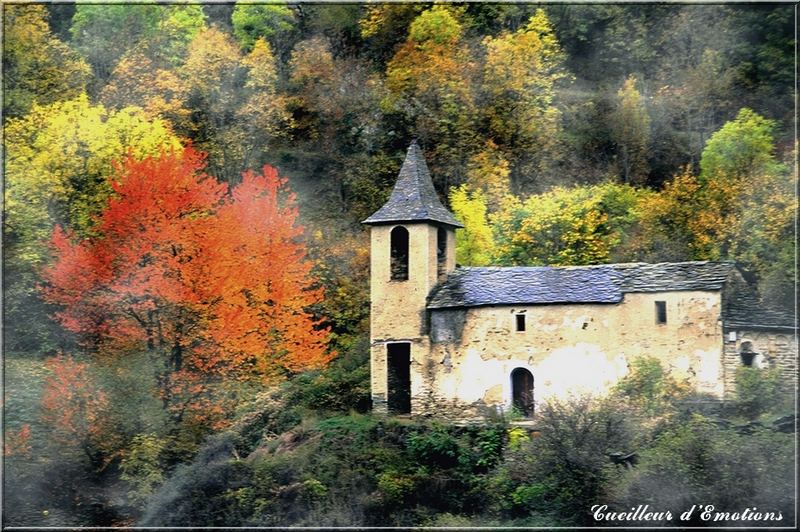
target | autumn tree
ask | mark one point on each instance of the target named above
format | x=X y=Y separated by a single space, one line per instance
x=37 y=66
x=474 y=243
x=740 y=207
x=385 y=26
x=489 y=172
x=214 y=77
x=73 y=408
x=58 y=159
x=146 y=74
x=106 y=33
x=430 y=85
x=103 y=33
x=566 y=226
x=630 y=131
x=57 y=162
x=519 y=81
x=264 y=112
x=137 y=80
x=211 y=283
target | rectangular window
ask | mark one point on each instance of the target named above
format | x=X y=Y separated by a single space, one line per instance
x=661 y=312
x=520 y=322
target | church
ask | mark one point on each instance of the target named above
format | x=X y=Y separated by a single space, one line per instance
x=463 y=342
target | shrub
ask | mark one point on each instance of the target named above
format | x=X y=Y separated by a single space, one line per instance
x=341 y=387
x=435 y=448
x=757 y=391
x=698 y=462
x=142 y=465
x=566 y=468
x=648 y=386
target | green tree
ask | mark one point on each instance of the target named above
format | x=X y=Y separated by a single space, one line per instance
x=630 y=131
x=106 y=33
x=37 y=66
x=740 y=150
x=103 y=33
x=273 y=22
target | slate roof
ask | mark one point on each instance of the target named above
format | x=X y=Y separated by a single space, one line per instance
x=472 y=287
x=413 y=197
x=607 y=283
x=742 y=309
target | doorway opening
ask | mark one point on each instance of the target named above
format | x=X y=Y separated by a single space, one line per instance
x=399 y=377
x=522 y=391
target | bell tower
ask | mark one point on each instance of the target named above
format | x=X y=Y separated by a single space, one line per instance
x=412 y=247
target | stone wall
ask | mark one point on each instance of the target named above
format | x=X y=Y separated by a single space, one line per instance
x=573 y=349
x=775 y=349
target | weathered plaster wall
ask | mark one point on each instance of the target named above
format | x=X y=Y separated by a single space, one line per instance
x=775 y=348
x=397 y=308
x=571 y=349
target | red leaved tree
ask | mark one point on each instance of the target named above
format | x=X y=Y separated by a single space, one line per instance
x=211 y=283
x=74 y=408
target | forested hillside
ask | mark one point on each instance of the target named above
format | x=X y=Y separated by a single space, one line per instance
x=184 y=186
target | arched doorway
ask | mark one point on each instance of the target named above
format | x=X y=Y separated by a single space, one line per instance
x=522 y=391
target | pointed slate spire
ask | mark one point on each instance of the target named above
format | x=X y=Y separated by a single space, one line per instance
x=413 y=197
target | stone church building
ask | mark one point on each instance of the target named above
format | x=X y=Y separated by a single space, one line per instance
x=459 y=341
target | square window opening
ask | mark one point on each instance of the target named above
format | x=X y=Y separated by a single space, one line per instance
x=520 y=319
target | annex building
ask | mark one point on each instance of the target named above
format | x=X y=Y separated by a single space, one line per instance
x=456 y=341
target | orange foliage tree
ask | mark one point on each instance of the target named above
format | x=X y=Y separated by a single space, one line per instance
x=212 y=283
x=74 y=408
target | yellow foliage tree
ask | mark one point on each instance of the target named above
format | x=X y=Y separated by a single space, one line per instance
x=264 y=112
x=429 y=82
x=566 y=226
x=474 y=243
x=488 y=172
x=58 y=159
x=630 y=130
x=37 y=67
x=136 y=80
x=519 y=78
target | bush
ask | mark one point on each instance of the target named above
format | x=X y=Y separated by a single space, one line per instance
x=435 y=448
x=341 y=387
x=649 y=387
x=697 y=462
x=757 y=391
x=564 y=468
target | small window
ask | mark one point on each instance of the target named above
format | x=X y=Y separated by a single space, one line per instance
x=661 y=312
x=520 y=322
x=441 y=252
x=747 y=355
x=399 y=254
